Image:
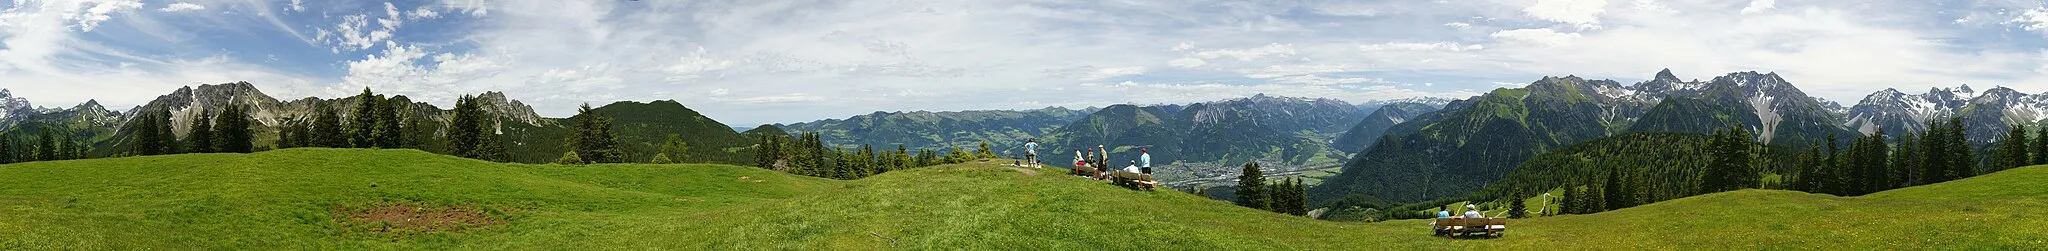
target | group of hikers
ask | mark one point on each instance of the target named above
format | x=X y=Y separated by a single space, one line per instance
x=1096 y=158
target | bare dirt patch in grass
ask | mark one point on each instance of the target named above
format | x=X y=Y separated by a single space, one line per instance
x=401 y=219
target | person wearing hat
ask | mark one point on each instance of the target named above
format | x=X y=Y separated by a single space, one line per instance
x=1144 y=161
x=1472 y=212
x=1133 y=168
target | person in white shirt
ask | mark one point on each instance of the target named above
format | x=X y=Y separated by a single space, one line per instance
x=1472 y=212
x=1133 y=168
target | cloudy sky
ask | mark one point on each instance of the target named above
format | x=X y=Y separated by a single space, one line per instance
x=748 y=62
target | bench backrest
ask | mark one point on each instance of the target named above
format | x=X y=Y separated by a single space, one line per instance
x=1497 y=221
x=1475 y=222
x=1446 y=222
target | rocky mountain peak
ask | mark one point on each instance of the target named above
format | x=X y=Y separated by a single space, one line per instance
x=499 y=105
x=2002 y=94
x=90 y=104
x=1665 y=75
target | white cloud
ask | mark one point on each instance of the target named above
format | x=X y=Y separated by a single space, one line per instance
x=89 y=14
x=1248 y=54
x=1106 y=73
x=1543 y=36
x=690 y=67
x=471 y=7
x=1458 y=25
x=2033 y=20
x=182 y=6
x=1276 y=71
x=1582 y=13
x=1187 y=62
x=1438 y=46
x=298 y=5
x=422 y=13
x=1759 y=6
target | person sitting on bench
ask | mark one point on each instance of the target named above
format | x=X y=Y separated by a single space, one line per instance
x=1133 y=168
x=1443 y=211
x=1472 y=212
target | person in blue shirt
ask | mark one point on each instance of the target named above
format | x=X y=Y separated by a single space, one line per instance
x=1144 y=161
x=1031 y=152
x=1443 y=212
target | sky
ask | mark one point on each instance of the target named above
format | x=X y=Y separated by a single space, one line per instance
x=747 y=62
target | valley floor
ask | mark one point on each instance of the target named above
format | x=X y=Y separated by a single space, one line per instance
x=312 y=199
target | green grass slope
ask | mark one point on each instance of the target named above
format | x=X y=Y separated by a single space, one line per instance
x=289 y=199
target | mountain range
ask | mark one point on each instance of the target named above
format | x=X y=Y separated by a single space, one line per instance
x=530 y=137
x=1397 y=150
x=1474 y=142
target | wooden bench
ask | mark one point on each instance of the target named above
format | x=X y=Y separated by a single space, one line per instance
x=1085 y=171
x=1132 y=180
x=1453 y=227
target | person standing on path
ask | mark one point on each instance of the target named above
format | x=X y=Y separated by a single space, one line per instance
x=1031 y=152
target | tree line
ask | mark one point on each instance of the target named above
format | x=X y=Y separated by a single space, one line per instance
x=1288 y=196
x=1874 y=163
x=228 y=131
x=48 y=144
x=806 y=154
x=389 y=123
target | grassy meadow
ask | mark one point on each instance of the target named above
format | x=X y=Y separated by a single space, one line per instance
x=368 y=199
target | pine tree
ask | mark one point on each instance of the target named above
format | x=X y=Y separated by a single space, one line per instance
x=1612 y=191
x=168 y=142
x=232 y=132
x=1251 y=187
x=675 y=149
x=467 y=131
x=7 y=155
x=199 y=138
x=1809 y=171
x=2013 y=150
x=46 y=145
x=288 y=134
x=1964 y=161
x=328 y=132
x=957 y=156
x=768 y=151
x=1905 y=159
x=146 y=136
x=1295 y=197
x=418 y=134
x=984 y=152
x=592 y=138
x=1519 y=208
x=1874 y=172
x=389 y=132
x=1574 y=200
x=903 y=160
x=362 y=127
x=1731 y=166
x=867 y=163
x=493 y=148
x=2041 y=146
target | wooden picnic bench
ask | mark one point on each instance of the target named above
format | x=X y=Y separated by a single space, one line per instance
x=1132 y=180
x=1454 y=227
x=1085 y=171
